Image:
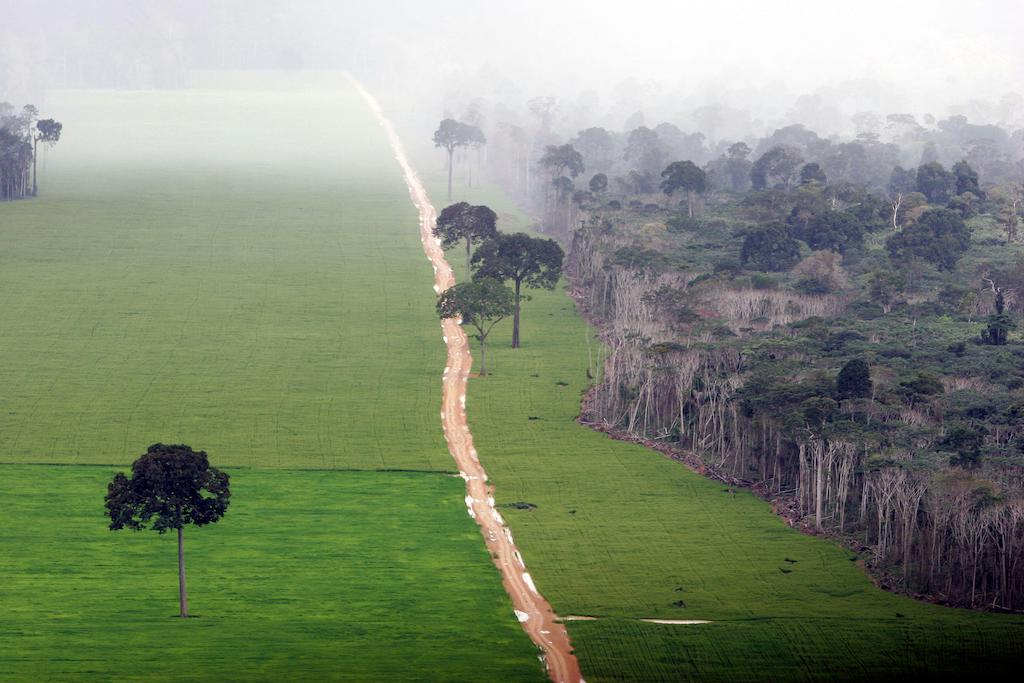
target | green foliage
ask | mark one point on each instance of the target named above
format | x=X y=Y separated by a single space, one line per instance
x=682 y=175
x=598 y=183
x=769 y=248
x=761 y=281
x=533 y=261
x=779 y=165
x=885 y=286
x=924 y=384
x=966 y=179
x=170 y=488
x=854 y=380
x=835 y=230
x=462 y=221
x=999 y=324
x=812 y=285
x=482 y=303
x=638 y=259
x=935 y=182
x=813 y=173
x=940 y=237
x=559 y=159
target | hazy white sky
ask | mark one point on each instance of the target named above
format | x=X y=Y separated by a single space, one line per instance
x=968 y=45
x=926 y=50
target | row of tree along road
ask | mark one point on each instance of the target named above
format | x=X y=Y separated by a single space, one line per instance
x=525 y=261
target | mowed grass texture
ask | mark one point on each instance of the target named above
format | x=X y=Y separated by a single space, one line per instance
x=228 y=281
x=622 y=533
x=312 y=576
x=242 y=272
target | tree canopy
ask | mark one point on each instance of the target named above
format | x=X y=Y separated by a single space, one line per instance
x=769 y=248
x=532 y=261
x=683 y=175
x=779 y=165
x=464 y=221
x=171 y=486
x=481 y=303
x=939 y=236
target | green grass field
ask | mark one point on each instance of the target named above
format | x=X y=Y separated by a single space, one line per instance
x=312 y=575
x=197 y=271
x=621 y=532
x=241 y=271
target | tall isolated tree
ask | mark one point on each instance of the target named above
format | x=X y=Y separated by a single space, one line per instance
x=482 y=303
x=449 y=136
x=463 y=221
x=684 y=175
x=48 y=133
x=532 y=261
x=171 y=486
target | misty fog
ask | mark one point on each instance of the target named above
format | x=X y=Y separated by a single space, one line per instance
x=761 y=64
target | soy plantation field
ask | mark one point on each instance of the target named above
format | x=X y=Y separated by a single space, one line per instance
x=622 y=533
x=329 y=575
x=199 y=268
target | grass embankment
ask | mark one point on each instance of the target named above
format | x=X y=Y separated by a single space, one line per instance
x=198 y=269
x=620 y=532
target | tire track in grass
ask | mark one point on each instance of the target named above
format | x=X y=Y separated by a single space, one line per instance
x=533 y=611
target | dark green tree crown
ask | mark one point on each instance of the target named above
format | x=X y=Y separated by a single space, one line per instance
x=170 y=486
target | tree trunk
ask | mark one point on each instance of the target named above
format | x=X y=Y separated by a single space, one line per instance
x=182 y=593
x=689 y=203
x=468 y=246
x=515 y=320
x=819 y=485
x=483 y=358
x=35 y=155
x=451 y=153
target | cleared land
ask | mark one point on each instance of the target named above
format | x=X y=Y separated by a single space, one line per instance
x=352 y=576
x=621 y=533
x=200 y=268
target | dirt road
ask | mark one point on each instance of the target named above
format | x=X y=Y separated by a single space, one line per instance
x=532 y=610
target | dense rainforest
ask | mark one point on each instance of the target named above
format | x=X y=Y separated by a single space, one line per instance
x=829 y=320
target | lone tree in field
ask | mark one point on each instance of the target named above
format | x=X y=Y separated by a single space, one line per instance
x=463 y=221
x=170 y=486
x=49 y=134
x=684 y=175
x=533 y=261
x=481 y=303
x=450 y=135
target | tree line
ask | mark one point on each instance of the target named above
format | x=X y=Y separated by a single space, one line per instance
x=21 y=132
x=830 y=322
